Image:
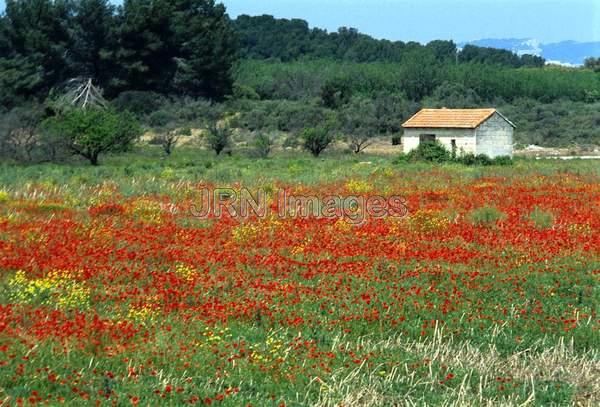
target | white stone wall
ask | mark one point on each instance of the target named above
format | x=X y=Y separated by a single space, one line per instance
x=409 y=142
x=465 y=139
x=495 y=137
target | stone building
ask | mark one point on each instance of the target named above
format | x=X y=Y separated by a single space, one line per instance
x=477 y=131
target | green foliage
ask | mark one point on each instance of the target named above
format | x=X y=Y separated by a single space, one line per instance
x=453 y=96
x=316 y=139
x=263 y=144
x=282 y=115
x=336 y=92
x=170 y=126
x=183 y=46
x=391 y=110
x=430 y=151
x=297 y=41
x=295 y=116
x=241 y=92
x=482 y=160
x=20 y=79
x=420 y=74
x=494 y=56
x=33 y=48
x=358 y=123
x=92 y=26
x=205 y=46
x=89 y=133
x=561 y=124
x=593 y=64
x=502 y=160
x=140 y=103
x=218 y=138
x=486 y=216
x=472 y=159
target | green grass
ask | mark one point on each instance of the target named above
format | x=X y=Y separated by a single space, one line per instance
x=146 y=170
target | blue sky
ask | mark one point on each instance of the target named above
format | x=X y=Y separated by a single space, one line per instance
x=425 y=20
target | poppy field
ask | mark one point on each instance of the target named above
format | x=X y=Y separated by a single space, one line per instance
x=113 y=293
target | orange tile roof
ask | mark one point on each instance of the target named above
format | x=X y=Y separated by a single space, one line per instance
x=449 y=118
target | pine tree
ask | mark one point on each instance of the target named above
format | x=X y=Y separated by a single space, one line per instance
x=92 y=24
x=207 y=48
x=35 y=41
x=146 y=50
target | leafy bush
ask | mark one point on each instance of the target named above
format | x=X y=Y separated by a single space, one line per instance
x=430 y=151
x=434 y=152
x=241 y=92
x=316 y=139
x=218 y=138
x=89 y=133
x=502 y=160
x=472 y=159
x=401 y=159
x=483 y=160
x=263 y=144
x=486 y=216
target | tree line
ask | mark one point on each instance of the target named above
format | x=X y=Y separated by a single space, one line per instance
x=185 y=47
x=295 y=40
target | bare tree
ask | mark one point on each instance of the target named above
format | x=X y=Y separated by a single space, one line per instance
x=82 y=94
x=19 y=139
x=359 y=124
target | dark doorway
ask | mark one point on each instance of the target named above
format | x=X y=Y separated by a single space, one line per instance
x=426 y=137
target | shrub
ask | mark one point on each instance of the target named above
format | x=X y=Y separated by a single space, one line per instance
x=316 y=139
x=89 y=133
x=169 y=128
x=218 y=138
x=482 y=159
x=396 y=139
x=263 y=143
x=401 y=159
x=244 y=92
x=486 y=215
x=502 y=160
x=430 y=151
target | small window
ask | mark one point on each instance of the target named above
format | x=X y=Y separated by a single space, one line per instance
x=453 y=143
x=426 y=137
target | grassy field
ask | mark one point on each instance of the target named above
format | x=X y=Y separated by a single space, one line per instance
x=112 y=292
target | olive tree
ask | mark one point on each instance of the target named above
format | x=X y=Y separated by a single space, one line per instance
x=91 y=132
x=317 y=139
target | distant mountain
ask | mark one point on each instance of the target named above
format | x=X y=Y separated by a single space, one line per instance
x=565 y=52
